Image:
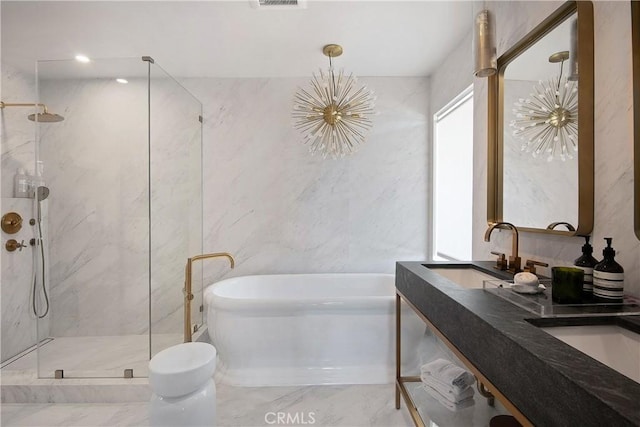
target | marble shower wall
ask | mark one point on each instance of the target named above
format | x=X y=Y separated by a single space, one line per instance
x=613 y=138
x=18 y=134
x=278 y=209
x=97 y=165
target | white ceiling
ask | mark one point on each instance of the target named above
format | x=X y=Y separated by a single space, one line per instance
x=232 y=39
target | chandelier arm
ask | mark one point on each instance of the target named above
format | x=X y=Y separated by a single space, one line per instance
x=363 y=124
x=542 y=136
x=347 y=89
x=346 y=138
x=310 y=127
x=318 y=99
x=361 y=95
x=353 y=130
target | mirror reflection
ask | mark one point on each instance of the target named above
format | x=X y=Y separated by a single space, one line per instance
x=540 y=133
x=541 y=106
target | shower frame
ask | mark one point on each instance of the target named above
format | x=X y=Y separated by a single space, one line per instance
x=123 y=215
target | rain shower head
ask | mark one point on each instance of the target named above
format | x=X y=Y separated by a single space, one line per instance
x=44 y=117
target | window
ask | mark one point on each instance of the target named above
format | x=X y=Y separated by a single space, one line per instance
x=453 y=179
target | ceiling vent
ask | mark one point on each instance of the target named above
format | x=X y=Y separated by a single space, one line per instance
x=278 y=4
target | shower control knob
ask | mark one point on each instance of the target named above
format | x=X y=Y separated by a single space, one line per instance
x=12 y=245
x=11 y=222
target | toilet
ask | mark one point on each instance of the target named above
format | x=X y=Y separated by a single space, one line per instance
x=181 y=378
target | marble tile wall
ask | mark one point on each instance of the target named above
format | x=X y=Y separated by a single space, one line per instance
x=278 y=209
x=613 y=138
x=97 y=165
x=18 y=135
x=270 y=203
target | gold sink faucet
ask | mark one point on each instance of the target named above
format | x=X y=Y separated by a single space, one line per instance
x=553 y=225
x=514 y=259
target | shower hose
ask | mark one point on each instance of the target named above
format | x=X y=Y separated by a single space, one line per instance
x=40 y=252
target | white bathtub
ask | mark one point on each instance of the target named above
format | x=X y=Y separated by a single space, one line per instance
x=300 y=329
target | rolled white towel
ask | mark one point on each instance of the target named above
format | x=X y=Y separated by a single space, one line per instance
x=452 y=393
x=448 y=373
x=446 y=402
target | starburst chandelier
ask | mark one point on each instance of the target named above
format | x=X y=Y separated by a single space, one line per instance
x=334 y=114
x=547 y=121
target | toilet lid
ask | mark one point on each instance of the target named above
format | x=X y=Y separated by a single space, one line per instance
x=182 y=369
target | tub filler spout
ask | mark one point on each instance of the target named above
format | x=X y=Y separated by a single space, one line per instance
x=188 y=295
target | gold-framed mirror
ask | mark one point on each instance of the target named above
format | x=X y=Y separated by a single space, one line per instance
x=635 y=41
x=540 y=161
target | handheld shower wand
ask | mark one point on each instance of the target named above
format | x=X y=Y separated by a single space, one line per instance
x=41 y=194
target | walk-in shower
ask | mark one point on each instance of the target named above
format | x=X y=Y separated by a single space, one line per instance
x=118 y=212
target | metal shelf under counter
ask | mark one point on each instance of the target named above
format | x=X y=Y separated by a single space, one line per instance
x=427 y=411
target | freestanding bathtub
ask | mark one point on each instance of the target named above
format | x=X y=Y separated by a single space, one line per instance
x=300 y=329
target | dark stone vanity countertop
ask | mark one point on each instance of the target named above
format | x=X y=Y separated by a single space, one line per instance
x=550 y=382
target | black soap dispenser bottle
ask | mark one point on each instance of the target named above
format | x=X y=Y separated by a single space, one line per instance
x=586 y=262
x=608 y=277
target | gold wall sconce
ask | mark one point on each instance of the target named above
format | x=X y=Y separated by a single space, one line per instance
x=484 y=46
x=334 y=114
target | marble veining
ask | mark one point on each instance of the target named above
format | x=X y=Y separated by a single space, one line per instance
x=92 y=356
x=279 y=210
x=351 y=406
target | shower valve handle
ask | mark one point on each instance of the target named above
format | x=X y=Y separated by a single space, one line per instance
x=12 y=245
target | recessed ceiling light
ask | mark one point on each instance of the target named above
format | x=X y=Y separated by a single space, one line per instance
x=123 y=81
x=82 y=58
x=278 y=4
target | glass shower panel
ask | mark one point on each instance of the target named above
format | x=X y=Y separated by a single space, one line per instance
x=95 y=219
x=176 y=205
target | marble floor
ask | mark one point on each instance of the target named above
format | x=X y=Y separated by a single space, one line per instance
x=328 y=405
x=340 y=405
x=346 y=405
x=94 y=356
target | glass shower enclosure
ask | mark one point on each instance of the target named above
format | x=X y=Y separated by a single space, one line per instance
x=122 y=213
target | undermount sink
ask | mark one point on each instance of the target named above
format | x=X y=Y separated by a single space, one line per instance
x=612 y=345
x=466 y=275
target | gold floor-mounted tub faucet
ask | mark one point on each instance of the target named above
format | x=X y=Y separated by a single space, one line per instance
x=188 y=295
x=514 y=260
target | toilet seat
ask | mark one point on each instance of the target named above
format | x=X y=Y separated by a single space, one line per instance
x=182 y=369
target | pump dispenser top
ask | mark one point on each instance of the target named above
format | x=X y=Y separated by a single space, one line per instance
x=586 y=262
x=608 y=276
x=609 y=251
